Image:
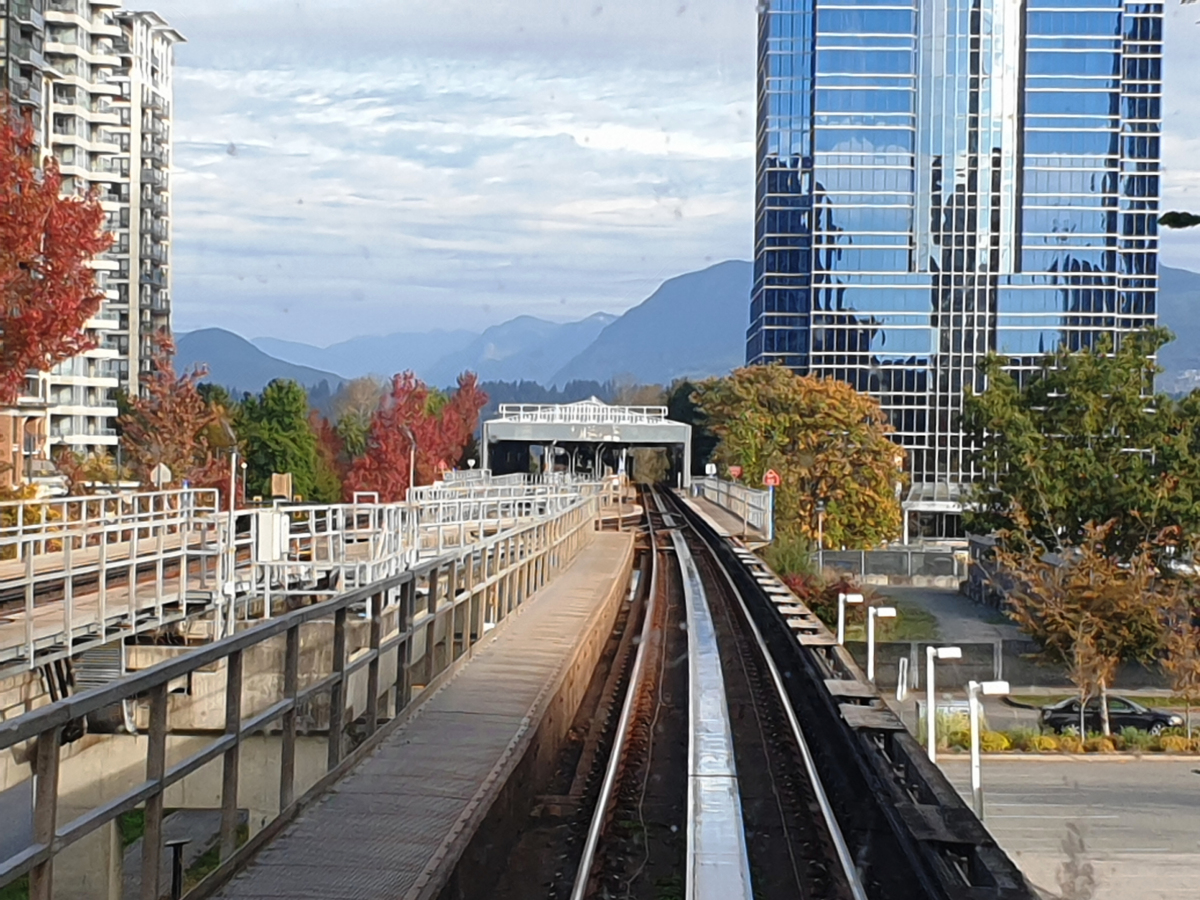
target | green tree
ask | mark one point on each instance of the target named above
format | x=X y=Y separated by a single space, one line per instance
x=681 y=407
x=274 y=431
x=826 y=440
x=1085 y=440
x=1179 y=220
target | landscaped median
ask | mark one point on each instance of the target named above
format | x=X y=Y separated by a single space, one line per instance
x=1030 y=741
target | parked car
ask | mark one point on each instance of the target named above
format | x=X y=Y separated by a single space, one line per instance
x=1122 y=713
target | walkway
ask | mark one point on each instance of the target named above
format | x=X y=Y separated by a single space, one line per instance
x=959 y=620
x=725 y=522
x=397 y=823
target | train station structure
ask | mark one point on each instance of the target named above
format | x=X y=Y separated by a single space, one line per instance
x=585 y=437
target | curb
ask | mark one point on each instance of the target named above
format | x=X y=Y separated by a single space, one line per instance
x=1120 y=757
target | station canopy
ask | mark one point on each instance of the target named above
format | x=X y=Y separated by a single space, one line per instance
x=595 y=428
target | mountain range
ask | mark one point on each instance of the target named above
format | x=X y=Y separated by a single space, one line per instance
x=693 y=326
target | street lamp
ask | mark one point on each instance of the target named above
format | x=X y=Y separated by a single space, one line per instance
x=932 y=653
x=882 y=612
x=412 y=457
x=843 y=599
x=974 y=690
x=821 y=536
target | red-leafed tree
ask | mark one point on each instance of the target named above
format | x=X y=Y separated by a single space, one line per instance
x=172 y=423
x=48 y=290
x=441 y=427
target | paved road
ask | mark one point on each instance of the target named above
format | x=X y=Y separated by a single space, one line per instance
x=958 y=618
x=1139 y=821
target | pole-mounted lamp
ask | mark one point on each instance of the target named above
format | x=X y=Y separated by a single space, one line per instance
x=975 y=690
x=880 y=612
x=843 y=599
x=932 y=654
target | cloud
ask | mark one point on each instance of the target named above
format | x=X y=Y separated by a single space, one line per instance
x=356 y=167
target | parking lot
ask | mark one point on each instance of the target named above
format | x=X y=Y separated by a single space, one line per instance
x=1139 y=820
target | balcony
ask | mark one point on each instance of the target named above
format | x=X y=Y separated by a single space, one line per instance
x=23 y=91
x=23 y=11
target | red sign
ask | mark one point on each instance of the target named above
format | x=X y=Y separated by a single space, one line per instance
x=772 y=479
x=735 y=471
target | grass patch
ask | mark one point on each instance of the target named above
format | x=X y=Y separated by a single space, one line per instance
x=18 y=890
x=209 y=860
x=912 y=623
x=132 y=826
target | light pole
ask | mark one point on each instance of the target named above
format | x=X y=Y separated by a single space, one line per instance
x=412 y=458
x=843 y=599
x=974 y=690
x=882 y=612
x=821 y=538
x=931 y=654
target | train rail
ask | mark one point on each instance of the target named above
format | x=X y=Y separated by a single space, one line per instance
x=735 y=828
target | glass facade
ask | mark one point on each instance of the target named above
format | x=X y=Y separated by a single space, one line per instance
x=939 y=179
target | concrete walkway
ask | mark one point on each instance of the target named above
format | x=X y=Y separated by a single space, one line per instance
x=394 y=826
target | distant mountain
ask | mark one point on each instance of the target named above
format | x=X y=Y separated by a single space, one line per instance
x=692 y=326
x=235 y=363
x=521 y=349
x=1179 y=310
x=374 y=355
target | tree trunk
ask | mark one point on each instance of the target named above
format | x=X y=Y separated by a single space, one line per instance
x=1084 y=696
x=1104 y=709
x=1187 y=714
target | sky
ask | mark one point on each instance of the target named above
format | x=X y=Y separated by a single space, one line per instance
x=348 y=167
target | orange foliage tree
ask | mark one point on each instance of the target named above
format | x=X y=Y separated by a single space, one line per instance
x=441 y=428
x=46 y=241
x=173 y=424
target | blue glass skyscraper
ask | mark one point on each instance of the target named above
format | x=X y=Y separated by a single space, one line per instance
x=940 y=179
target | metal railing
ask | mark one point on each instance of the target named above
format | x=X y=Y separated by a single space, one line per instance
x=581 y=413
x=754 y=507
x=901 y=561
x=392 y=643
x=83 y=569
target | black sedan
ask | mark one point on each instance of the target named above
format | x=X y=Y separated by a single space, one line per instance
x=1122 y=713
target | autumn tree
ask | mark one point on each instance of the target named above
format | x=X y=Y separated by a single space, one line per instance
x=1182 y=658
x=275 y=436
x=172 y=423
x=1085 y=440
x=828 y=442
x=1089 y=609
x=46 y=244
x=440 y=426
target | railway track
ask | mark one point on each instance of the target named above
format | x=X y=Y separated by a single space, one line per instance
x=706 y=792
x=739 y=754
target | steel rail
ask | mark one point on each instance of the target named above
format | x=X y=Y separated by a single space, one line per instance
x=845 y=859
x=583 y=873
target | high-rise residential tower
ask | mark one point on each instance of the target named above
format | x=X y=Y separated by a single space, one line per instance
x=96 y=81
x=941 y=179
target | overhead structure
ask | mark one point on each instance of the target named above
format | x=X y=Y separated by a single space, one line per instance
x=588 y=436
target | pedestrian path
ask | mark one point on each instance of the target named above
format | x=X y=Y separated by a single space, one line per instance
x=395 y=825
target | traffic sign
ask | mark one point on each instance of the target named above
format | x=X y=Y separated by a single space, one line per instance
x=710 y=469
x=735 y=471
x=772 y=479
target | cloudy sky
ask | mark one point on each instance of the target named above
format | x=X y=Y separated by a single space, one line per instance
x=350 y=167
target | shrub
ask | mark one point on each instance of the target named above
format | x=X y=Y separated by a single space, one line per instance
x=1175 y=743
x=1021 y=738
x=1070 y=743
x=1043 y=743
x=1098 y=745
x=1136 y=739
x=959 y=738
x=994 y=742
x=790 y=554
